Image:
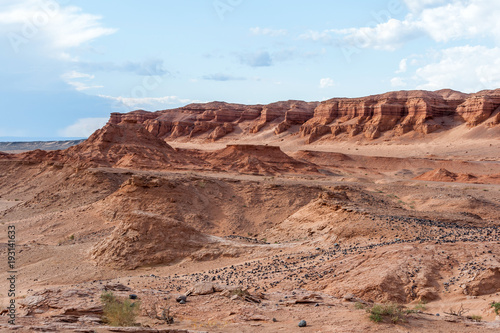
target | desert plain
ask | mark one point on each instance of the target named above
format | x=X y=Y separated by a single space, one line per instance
x=261 y=216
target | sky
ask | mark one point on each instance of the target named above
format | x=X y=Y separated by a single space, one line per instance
x=65 y=65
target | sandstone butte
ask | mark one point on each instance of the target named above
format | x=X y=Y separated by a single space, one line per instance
x=393 y=113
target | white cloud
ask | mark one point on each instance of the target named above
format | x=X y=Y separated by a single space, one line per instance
x=80 y=86
x=76 y=75
x=398 y=82
x=75 y=78
x=146 y=103
x=83 y=127
x=323 y=36
x=385 y=36
x=442 y=21
x=53 y=25
x=419 y=5
x=326 y=82
x=465 y=68
x=468 y=68
x=462 y=19
x=268 y=32
x=403 y=66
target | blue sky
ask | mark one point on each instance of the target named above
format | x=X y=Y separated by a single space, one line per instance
x=67 y=64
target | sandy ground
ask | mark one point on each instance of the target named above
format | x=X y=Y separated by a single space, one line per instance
x=6 y=204
x=462 y=150
x=314 y=246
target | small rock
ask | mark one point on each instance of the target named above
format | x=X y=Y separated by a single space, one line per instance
x=302 y=323
x=32 y=300
x=275 y=320
x=181 y=298
x=349 y=297
x=203 y=288
x=182 y=301
x=132 y=296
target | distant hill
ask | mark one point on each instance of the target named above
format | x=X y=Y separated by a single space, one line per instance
x=18 y=147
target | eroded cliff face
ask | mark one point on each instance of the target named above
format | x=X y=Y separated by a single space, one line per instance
x=479 y=108
x=398 y=113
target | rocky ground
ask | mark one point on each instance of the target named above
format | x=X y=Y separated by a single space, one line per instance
x=254 y=237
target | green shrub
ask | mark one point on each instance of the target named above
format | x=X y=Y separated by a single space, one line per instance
x=421 y=306
x=393 y=312
x=496 y=306
x=375 y=317
x=118 y=312
x=475 y=318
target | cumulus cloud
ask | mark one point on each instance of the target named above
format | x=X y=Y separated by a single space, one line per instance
x=442 y=21
x=268 y=32
x=326 y=82
x=51 y=24
x=83 y=127
x=398 y=82
x=403 y=66
x=469 y=68
x=385 y=36
x=466 y=68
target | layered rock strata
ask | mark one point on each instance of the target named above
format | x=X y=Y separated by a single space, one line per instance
x=396 y=113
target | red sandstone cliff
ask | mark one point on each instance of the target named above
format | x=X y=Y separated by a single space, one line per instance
x=395 y=112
